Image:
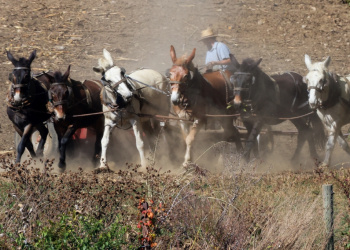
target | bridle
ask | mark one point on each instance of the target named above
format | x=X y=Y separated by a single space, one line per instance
x=236 y=87
x=334 y=93
x=21 y=85
x=190 y=76
x=325 y=81
x=68 y=102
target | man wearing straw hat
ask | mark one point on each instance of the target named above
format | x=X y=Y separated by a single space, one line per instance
x=218 y=54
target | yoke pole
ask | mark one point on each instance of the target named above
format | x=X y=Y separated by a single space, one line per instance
x=327 y=194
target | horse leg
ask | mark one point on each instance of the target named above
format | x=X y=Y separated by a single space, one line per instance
x=109 y=126
x=231 y=133
x=64 y=141
x=139 y=140
x=333 y=135
x=189 y=142
x=254 y=132
x=29 y=144
x=171 y=141
x=25 y=141
x=149 y=132
x=43 y=135
x=303 y=133
x=99 y=134
x=342 y=142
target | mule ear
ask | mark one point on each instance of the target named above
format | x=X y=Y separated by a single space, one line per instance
x=256 y=64
x=234 y=62
x=190 y=58
x=32 y=57
x=327 y=62
x=98 y=69
x=11 y=58
x=308 y=62
x=66 y=74
x=108 y=57
x=173 y=54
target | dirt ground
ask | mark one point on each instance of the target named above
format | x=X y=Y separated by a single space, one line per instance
x=139 y=34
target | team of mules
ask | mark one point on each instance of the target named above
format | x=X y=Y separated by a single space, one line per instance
x=144 y=98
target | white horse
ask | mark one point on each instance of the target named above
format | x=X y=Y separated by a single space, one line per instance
x=330 y=95
x=143 y=91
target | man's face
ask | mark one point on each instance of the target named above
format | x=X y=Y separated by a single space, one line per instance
x=208 y=42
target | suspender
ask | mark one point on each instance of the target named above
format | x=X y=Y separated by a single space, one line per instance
x=217 y=55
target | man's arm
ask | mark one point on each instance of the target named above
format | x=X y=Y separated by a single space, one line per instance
x=222 y=62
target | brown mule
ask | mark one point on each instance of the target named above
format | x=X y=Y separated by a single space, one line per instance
x=194 y=95
x=69 y=98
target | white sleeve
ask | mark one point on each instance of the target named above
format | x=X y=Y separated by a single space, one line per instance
x=223 y=51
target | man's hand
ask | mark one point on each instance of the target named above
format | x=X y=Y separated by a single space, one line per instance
x=210 y=65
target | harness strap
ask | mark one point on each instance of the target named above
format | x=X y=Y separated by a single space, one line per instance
x=97 y=83
x=87 y=94
x=19 y=85
x=151 y=87
x=296 y=89
x=227 y=84
x=277 y=90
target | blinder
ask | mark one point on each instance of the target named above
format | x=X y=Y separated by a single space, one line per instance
x=11 y=77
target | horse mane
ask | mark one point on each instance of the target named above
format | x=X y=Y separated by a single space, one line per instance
x=182 y=62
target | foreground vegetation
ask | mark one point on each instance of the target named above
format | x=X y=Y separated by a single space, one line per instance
x=236 y=209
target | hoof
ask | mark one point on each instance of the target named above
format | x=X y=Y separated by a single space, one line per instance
x=102 y=170
x=187 y=164
x=61 y=167
x=324 y=165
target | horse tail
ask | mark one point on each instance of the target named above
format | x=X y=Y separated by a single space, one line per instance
x=319 y=133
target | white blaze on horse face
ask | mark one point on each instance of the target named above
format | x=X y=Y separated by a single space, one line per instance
x=175 y=96
x=114 y=75
x=59 y=112
x=314 y=79
x=17 y=96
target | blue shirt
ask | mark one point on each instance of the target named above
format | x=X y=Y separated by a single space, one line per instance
x=219 y=52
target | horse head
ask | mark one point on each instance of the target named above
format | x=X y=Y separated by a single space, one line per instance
x=60 y=93
x=244 y=79
x=111 y=75
x=317 y=81
x=180 y=74
x=21 y=78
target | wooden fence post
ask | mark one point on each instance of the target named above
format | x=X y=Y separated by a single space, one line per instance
x=327 y=193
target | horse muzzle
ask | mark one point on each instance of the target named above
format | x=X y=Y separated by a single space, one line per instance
x=175 y=98
x=60 y=115
x=237 y=102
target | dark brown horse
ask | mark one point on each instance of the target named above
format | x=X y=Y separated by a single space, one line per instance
x=26 y=104
x=262 y=99
x=194 y=95
x=69 y=98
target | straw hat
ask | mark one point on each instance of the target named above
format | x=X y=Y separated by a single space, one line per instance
x=207 y=33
